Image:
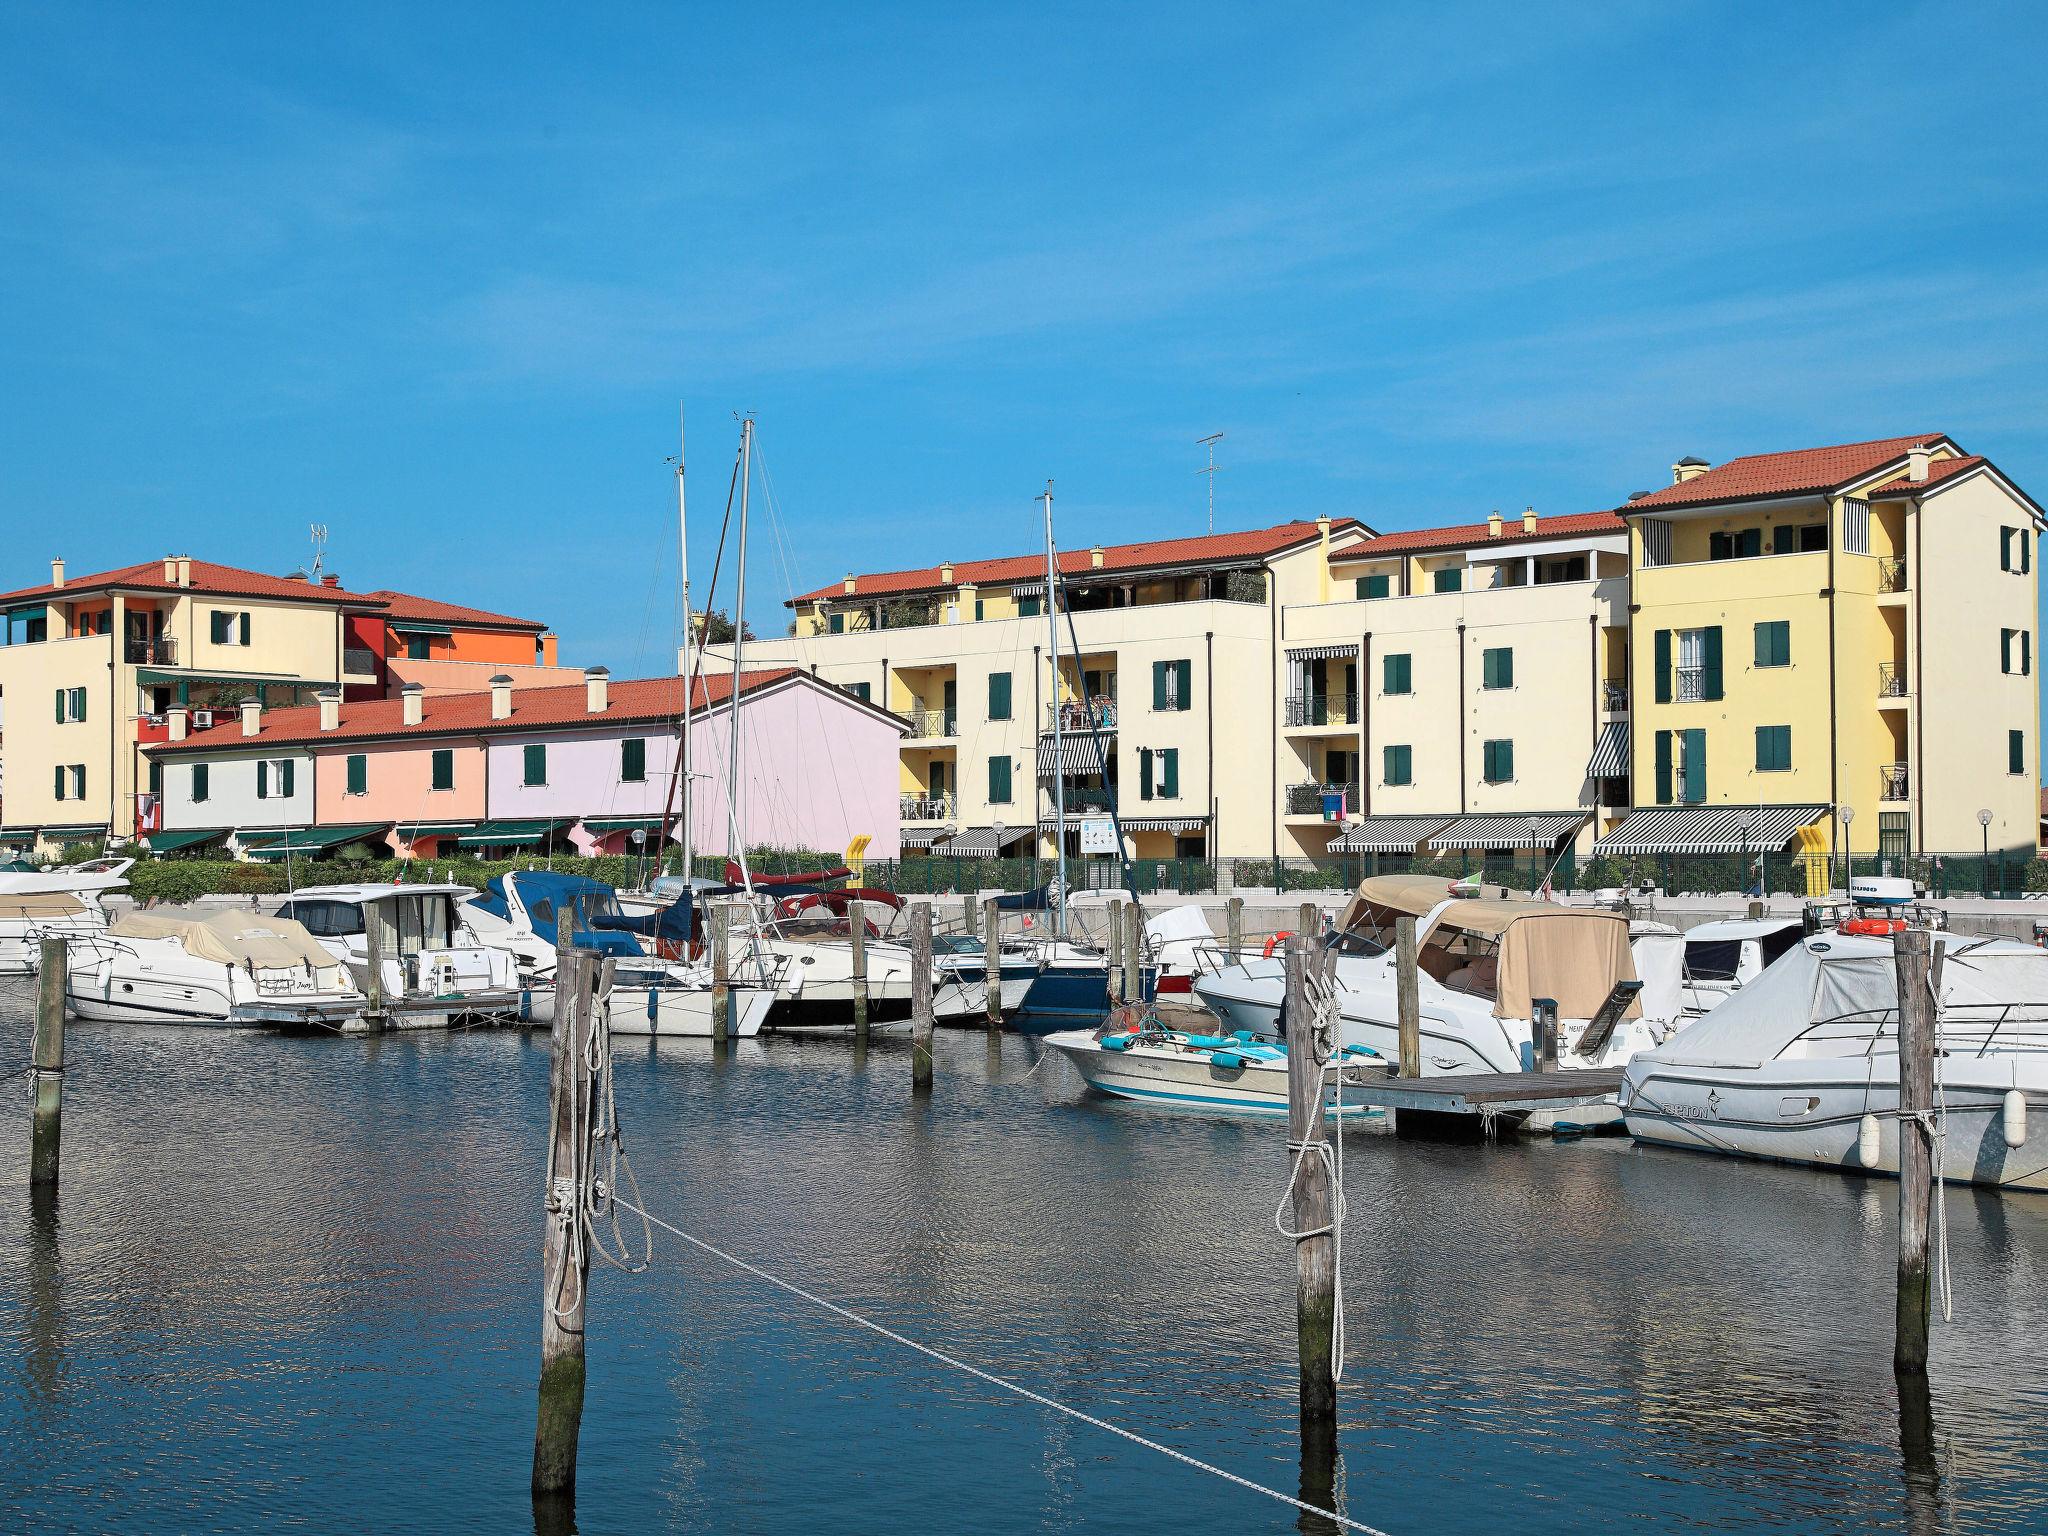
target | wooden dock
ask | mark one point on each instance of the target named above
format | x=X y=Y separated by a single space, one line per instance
x=1487 y=1093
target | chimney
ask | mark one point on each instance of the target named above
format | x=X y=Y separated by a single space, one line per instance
x=1528 y=520
x=1095 y=557
x=330 y=581
x=252 y=717
x=1493 y=525
x=412 y=694
x=330 y=708
x=184 y=570
x=1688 y=469
x=179 y=717
x=57 y=572
x=946 y=574
x=1916 y=465
x=501 y=697
x=849 y=583
x=596 y=690
x=548 y=642
x=170 y=571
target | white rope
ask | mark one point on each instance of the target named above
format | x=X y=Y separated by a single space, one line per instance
x=997 y=1381
x=1329 y=1061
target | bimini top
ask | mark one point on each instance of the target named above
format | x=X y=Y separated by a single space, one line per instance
x=230 y=937
x=1835 y=994
x=1410 y=894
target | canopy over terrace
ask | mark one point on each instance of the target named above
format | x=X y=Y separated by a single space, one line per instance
x=1505 y=830
x=1388 y=834
x=1709 y=828
x=512 y=834
x=984 y=842
x=266 y=847
x=171 y=842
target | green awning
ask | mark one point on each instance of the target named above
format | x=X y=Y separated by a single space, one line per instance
x=164 y=842
x=604 y=824
x=159 y=676
x=410 y=627
x=71 y=833
x=276 y=845
x=413 y=831
x=507 y=834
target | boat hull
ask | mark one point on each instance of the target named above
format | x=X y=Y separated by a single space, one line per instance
x=960 y=996
x=1186 y=1080
x=685 y=1012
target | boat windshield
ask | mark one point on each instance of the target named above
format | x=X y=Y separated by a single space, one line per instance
x=1356 y=943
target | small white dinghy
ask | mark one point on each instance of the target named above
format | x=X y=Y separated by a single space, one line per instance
x=225 y=965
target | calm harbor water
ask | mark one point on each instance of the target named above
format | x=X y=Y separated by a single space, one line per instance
x=292 y=1284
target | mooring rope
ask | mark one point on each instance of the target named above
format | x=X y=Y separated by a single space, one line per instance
x=1329 y=1061
x=994 y=1380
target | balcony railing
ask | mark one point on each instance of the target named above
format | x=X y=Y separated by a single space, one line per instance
x=1614 y=697
x=1312 y=709
x=1308 y=799
x=934 y=722
x=1692 y=684
x=356 y=662
x=1085 y=798
x=1098 y=714
x=160 y=652
x=925 y=807
x=1891 y=680
x=1892 y=782
x=1891 y=574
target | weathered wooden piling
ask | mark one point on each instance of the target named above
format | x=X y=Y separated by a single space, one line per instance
x=375 y=1016
x=857 y=926
x=1306 y=921
x=46 y=1120
x=921 y=997
x=1315 y=1255
x=970 y=913
x=1407 y=997
x=565 y=1263
x=721 y=972
x=1912 y=950
x=1233 y=927
x=1113 y=948
x=1134 y=953
x=992 y=960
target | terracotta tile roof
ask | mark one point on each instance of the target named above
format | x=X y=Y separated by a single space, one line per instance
x=1938 y=470
x=468 y=714
x=1204 y=549
x=1802 y=471
x=207 y=578
x=403 y=605
x=1460 y=535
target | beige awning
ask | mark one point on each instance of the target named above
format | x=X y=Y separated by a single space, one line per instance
x=1574 y=955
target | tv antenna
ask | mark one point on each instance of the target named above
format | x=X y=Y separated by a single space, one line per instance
x=319 y=531
x=1210 y=469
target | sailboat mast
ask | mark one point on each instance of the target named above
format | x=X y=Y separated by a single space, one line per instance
x=683 y=565
x=736 y=850
x=1059 y=775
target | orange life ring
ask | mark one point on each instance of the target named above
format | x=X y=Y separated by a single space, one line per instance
x=1873 y=926
x=1273 y=941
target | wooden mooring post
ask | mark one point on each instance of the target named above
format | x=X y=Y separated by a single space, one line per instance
x=1233 y=927
x=857 y=926
x=970 y=913
x=1134 y=953
x=375 y=1016
x=1315 y=1257
x=1306 y=921
x=46 y=1121
x=992 y=960
x=721 y=973
x=921 y=997
x=1407 y=997
x=1113 y=951
x=1912 y=952
x=565 y=1263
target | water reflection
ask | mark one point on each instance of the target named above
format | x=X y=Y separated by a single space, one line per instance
x=1318 y=1476
x=43 y=1355
x=1917 y=1456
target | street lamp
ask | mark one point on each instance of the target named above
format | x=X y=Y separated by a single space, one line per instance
x=1984 y=824
x=1745 y=861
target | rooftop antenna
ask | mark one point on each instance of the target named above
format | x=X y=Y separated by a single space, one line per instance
x=1210 y=469
x=319 y=531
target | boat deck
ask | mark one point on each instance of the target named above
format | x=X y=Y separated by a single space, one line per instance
x=1485 y=1093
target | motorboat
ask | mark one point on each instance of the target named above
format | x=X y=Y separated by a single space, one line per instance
x=433 y=970
x=960 y=978
x=1801 y=1064
x=1482 y=964
x=679 y=1000
x=61 y=903
x=1724 y=956
x=1072 y=983
x=807 y=930
x=217 y=965
x=1180 y=942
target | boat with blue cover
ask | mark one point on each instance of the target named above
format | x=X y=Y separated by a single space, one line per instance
x=1169 y=1057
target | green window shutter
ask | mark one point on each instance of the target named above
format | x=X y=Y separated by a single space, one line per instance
x=2026 y=542
x=1774 y=643
x=199 y=786
x=861 y=691
x=999 y=781
x=358 y=774
x=1159 y=685
x=1500 y=761
x=1144 y=773
x=156 y=777
x=1710 y=662
x=1449 y=580
x=63 y=699
x=999 y=695
x=2005 y=549
x=245 y=629
x=1395 y=673
x=1785 y=539
x=216 y=627
x=1184 y=684
x=2026 y=653
x=1773 y=748
x=2016 y=751
x=1397 y=764
x=2005 y=650
x=837 y=624
x=1497 y=667
x=59 y=791
x=262 y=778
x=1663 y=666
x=979 y=604
x=77 y=704
x=1663 y=767
x=1695 y=766
x=78 y=781
x=284 y=777
x=1027 y=608
x=1371 y=586
x=536 y=763
x=1169 y=773
x=1719 y=546
x=444 y=768
x=1749 y=543
x=633 y=760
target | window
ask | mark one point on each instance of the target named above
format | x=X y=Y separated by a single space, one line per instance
x=861 y=691
x=358 y=774
x=1158 y=773
x=1745 y=544
x=229 y=628
x=999 y=695
x=1450 y=579
x=444 y=768
x=199 y=786
x=70 y=781
x=2016 y=651
x=979 y=607
x=1396 y=676
x=70 y=705
x=536 y=761
x=1497 y=667
x=836 y=623
x=999 y=781
x=418 y=648
x=1172 y=687
x=1798 y=538
x=1774 y=643
x=1774 y=749
x=2015 y=751
x=273 y=778
x=1499 y=761
x=1699 y=664
x=1397 y=765
x=1681 y=767
x=1028 y=608
x=2015 y=551
x=156 y=778
x=633 y=760
x=1372 y=586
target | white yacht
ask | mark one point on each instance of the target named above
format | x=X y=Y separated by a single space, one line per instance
x=1725 y=956
x=1802 y=1064
x=55 y=903
x=220 y=965
x=434 y=969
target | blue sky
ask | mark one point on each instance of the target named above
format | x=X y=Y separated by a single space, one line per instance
x=438 y=276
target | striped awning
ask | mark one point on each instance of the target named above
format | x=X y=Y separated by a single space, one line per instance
x=1077 y=752
x=1610 y=757
x=1386 y=834
x=1708 y=828
x=1510 y=829
x=983 y=843
x=1155 y=823
x=1320 y=652
x=922 y=837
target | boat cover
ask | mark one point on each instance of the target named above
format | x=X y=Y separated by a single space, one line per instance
x=31 y=905
x=1187 y=924
x=1572 y=954
x=1659 y=951
x=229 y=936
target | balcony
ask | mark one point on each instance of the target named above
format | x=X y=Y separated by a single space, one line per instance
x=160 y=652
x=1614 y=697
x=152 y=728
x=932 y=724
x=1892 y=782
x=1096 y=715
x=925 y=807
x=1692 y=685
x=1891 y=680
x=1306 y=711
x=1082 y=800
x=1891 y=574
x=1309 y=799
